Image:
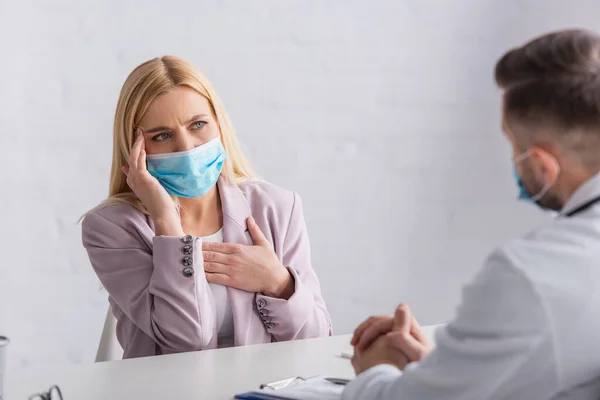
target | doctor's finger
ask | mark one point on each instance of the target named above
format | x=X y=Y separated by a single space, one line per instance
x=362 y=327
x=402 y=319
x=373 y=331
x=417 y=331
x=407 y=344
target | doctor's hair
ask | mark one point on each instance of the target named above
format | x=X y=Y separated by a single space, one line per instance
x=147 y=81
x=552 y=89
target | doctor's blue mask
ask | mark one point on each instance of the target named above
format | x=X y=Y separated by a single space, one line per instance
x=524 y=193
x=190 y=173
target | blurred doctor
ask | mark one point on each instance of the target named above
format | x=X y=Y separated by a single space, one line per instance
x=529 y=323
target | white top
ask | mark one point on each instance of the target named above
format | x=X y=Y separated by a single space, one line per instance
x=527 y=328
x=222 y=303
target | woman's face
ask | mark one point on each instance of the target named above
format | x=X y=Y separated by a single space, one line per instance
x=178 y=121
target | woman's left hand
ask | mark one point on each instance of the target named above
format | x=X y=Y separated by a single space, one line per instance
x=253 y=268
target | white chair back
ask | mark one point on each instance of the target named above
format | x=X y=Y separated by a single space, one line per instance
x=109 y=348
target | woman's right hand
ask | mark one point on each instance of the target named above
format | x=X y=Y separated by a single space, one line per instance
x=147 y=188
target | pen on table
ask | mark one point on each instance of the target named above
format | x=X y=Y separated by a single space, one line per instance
x=338 y=381
x=280 y=384
x=287 y=382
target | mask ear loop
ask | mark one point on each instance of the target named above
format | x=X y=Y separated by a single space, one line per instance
x=521 y=157
x=547 y=186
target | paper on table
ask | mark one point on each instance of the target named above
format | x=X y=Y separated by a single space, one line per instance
x=311 y=389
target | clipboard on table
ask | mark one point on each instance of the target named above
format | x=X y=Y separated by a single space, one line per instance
x=298 y=388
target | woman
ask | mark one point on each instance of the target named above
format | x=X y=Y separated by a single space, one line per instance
x=194 y=252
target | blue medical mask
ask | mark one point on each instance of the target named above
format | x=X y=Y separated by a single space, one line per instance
x=523 y=192
x=189 y=173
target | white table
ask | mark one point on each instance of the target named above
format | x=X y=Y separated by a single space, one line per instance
x=211 y=375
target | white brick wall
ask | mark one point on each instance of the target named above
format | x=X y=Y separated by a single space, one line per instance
x=383 y=115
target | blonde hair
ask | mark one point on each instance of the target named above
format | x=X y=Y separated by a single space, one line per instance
x=146 y=82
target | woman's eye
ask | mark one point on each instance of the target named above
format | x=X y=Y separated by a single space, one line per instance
x=199 y=124
x=161 y=136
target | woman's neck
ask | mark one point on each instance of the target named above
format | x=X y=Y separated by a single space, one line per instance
x=202 y=216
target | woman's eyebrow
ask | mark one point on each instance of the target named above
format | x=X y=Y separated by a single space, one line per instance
x=157 y=129
x=197 y=116
x=166 y=128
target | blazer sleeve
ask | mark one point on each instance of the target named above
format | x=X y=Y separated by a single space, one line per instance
x=304 y=315
x=149 y=285
x=499 y=346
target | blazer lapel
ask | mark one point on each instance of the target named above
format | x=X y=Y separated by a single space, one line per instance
x=236 y=211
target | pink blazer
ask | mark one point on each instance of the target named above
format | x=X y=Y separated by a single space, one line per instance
x=161 y=310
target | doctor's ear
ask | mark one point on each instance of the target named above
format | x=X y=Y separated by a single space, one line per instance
x=545 y=164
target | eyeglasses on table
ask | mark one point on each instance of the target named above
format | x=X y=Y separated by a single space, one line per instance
x=52 y=394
